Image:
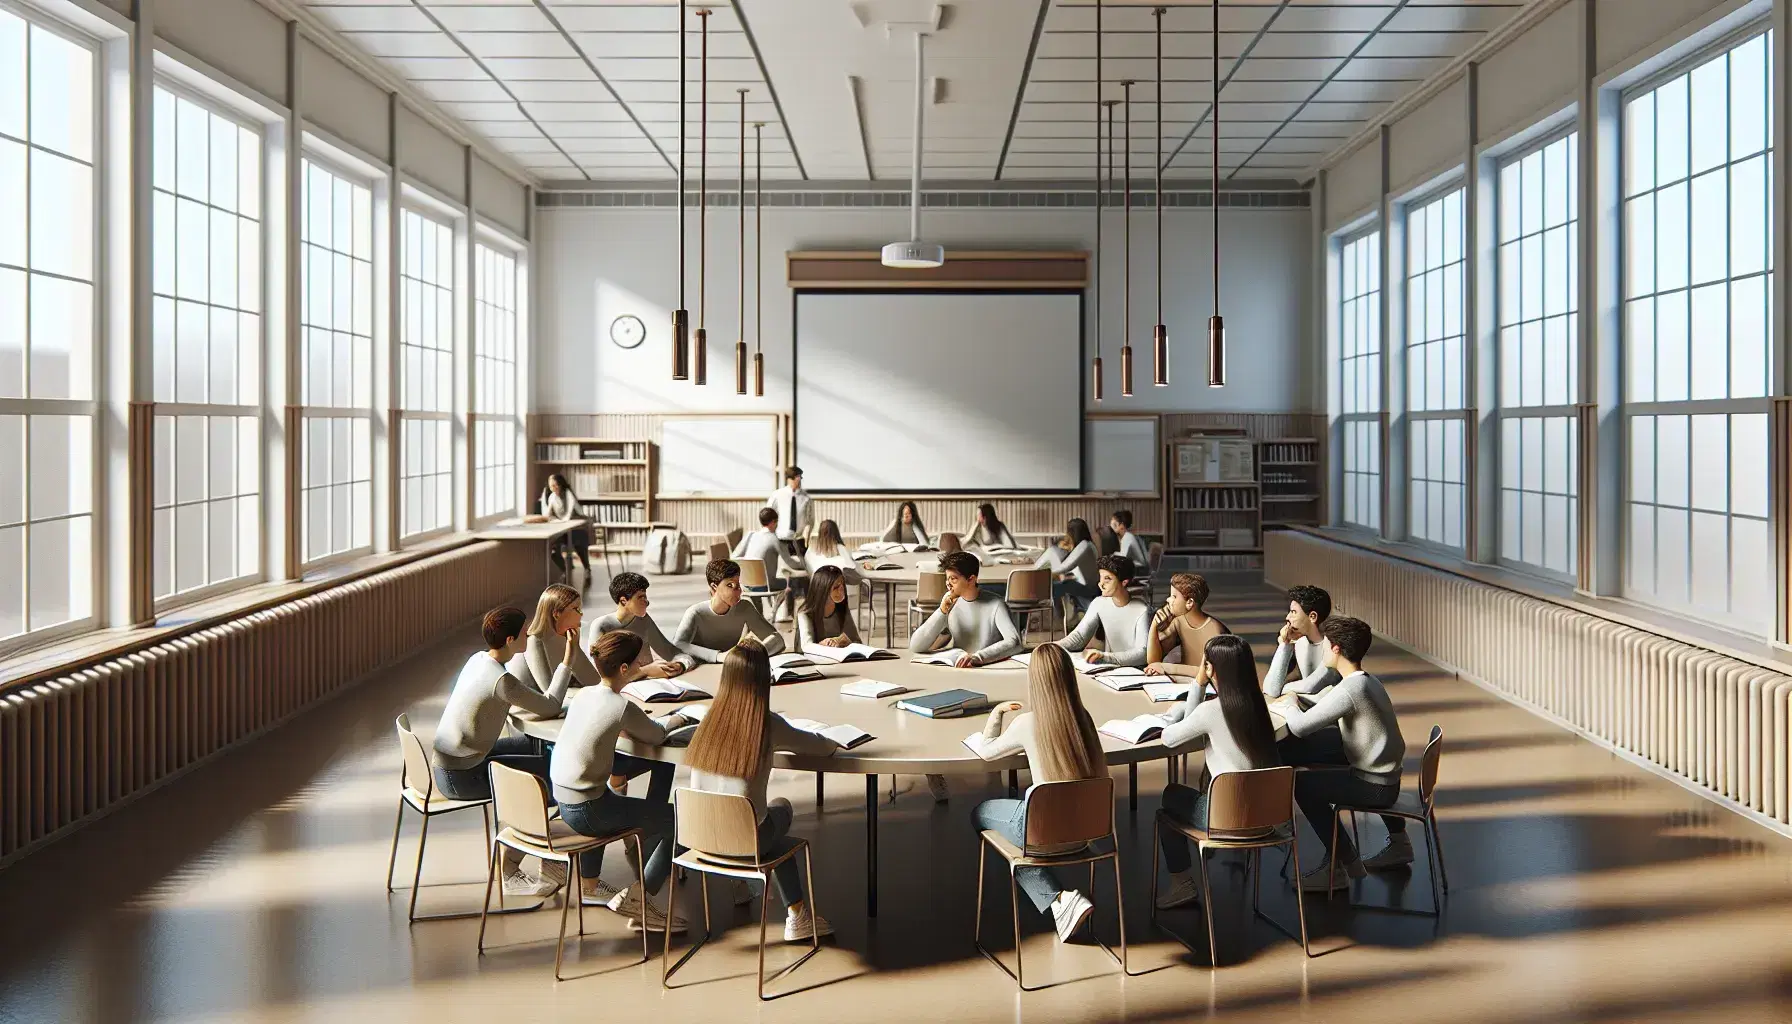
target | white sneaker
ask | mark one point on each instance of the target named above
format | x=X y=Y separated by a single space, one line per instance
x=518 y=884
x=653 y=917
x=595 y=892
x=1320 y=879
x=1397 y=854
x=1069 y=911
x=936 y=784
x=801 y=927
x=1183 y=891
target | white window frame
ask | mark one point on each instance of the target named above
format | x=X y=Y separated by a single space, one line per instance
x=1419 y=430
x=431 y=213
x=1360 y=430
x=488 y=237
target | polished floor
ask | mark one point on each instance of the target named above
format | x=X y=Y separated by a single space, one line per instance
x=1583 y=889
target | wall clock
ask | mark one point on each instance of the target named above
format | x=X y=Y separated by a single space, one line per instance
x=627 y=331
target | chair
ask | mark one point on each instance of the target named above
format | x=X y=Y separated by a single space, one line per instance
x=718 y=551
x=1419 y=807
x=930 y=590
x=720 y=835
x=1146 y=587
x=1076 y=814
x=755 y=584
x=1029 y=593
x=520 y=801
x=1249 y=810
x=417 y=790
x=734 y=537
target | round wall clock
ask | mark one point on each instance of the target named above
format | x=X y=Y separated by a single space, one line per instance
x=627 y=331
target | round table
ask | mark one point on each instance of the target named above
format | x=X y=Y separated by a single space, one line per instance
x=905 y=743
x=889 y=580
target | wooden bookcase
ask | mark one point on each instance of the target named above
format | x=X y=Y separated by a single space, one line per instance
x=1291 y=475
x=614 y=479
x=1214 y=500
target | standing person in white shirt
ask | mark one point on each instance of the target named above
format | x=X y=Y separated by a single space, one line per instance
x=1131 y=547
x=1299 y=663
x=764 y=546
x=795 y=510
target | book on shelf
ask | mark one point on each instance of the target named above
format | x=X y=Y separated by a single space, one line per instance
x=665 y=691
x=851 y=652
x=848 y=736
x=871 y=688
x=945 y=704
x=1134 y=730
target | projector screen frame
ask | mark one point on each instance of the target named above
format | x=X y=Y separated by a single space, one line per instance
x=905 y=288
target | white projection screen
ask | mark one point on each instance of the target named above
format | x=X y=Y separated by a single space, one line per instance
x=910 y=392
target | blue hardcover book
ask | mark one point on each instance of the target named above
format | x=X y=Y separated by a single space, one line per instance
x=946 y=703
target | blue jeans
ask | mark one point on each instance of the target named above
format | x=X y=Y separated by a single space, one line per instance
x=774 y=840
x=609 y=814
x=1009 y=817
x=1187 y=804
x=659 y=793
x=475 y=783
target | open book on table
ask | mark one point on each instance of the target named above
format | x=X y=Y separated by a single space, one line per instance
x=871 y=688
x=1162 y=692
x=851 y=652
x=796 y=673
x=948 y=657
x=790 y=659
x=888 y=547
x=681 y=736
x=665 y=691
x=848 y=736
x=1135 y=730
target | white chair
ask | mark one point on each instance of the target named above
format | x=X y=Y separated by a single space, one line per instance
x=520 y=801
x=417 y=790
x=1420 y=807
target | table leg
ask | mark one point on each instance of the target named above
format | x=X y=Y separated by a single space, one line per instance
x=818 y=778
x=1132 y=778
x=870 y=846
x=1013 y=784
x=889 y=615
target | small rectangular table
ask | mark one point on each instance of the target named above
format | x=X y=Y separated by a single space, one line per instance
x=544 y=534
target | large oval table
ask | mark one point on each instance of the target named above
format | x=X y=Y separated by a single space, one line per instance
x=909 y=575
x=906 y=743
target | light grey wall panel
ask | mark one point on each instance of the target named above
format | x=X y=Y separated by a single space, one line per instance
x=339 y=100
x=1431 y=138
x=238 y=37
x=430 y=156
x=1353 y=185
x=1629 y=28
x=498 y=198
x=1531 y=72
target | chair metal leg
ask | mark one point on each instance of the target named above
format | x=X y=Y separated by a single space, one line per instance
x=1300 y=899
x=977 y=922
x=1119 y=914
x=1020 y=964
x=643 y=876
x=560 y=943
x=1213 y=949
x=575 y=889
x=1157 y=832
x=417 y=877
x=1331 y=862
x=1437 y=900
x=1437 y=844
x=392 y=861
x=767 y=875
x=666 y=951
x=491 y=876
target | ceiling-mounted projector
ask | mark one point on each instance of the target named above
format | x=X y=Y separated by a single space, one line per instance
x=913 y=255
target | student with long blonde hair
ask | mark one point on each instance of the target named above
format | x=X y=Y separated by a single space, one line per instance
x=731 y=752
x=1061 y=745
x=828 y=548
x=559 y=614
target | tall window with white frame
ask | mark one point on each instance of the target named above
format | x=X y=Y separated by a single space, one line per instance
x=426 y=367
x=206 y=354
x=48 y=329
x=495 y=426
x=1539 y=356
x=1698 y=287
x=336 y=326
x=1436 y=421
x=1359 y=378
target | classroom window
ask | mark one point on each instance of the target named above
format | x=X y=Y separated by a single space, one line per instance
x=1434 y=370
x=48 y=329
x=426 y=366
x=495 y=428
x=1698 y=283
x=1539 y=356
x=336 y=370
x=206 y=346
x=1359 y=378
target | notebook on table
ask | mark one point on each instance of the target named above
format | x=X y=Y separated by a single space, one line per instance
x=946 y=704
x=664 y=691
x=1134 y=730
x=851 y=652
x=848 y=736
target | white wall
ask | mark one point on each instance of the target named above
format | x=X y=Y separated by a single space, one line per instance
x=599 y=263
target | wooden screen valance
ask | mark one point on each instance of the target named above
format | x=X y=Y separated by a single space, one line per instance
x=971 y=269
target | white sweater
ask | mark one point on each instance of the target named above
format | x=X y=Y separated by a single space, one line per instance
x=1196 y=724
x=483 y=695
x=1364 y=714
x=586 y=750
x=1132 y=548
x=978 y=537
x=765 y=547
x=1311 y=675
x=980 y=626
x=779 y=735
x=653 y=642
x=1126 y=631
x=707 y=637
x=1078 y=562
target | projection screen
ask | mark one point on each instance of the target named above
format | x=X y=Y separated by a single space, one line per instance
x=912 y=392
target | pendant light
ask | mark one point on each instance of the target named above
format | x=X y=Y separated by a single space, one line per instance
x=1101 y=198
x=1126 y=259
x=1160 y=335
x=740 y=341
x=1216 y=327
x=681 y=317
x=700 y=371
x=758 y=260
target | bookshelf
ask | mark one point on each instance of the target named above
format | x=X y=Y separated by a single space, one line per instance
x=1290 y=475
x=1215 y=500
x=613 y=478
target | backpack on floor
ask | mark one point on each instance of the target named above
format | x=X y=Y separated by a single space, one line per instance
x=667 y=551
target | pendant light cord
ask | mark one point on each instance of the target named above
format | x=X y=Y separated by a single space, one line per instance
x=758 y=238
x=743 y=214
x=1126 y=234
x=1157 y=202
x=683 y=121
x=703 y=177
x=1101 y=186
x=1216 y=157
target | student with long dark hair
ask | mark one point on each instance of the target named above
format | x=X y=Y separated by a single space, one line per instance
x=560 y=504
x=826 y=618
x=988 y=532
x=1238 y=736
x=1072 y=562
x=907 y=527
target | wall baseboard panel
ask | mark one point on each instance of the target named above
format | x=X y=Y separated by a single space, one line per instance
x=1718 y=724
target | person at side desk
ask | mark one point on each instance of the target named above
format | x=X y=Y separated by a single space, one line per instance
x=629 y=591
x=711 y=627
x=559 y=504
x=1123 y=624
x=1072 y=562
x=1351 y=726
x=973 y=620
x=795 y=509
x=763 y=545
x=1130 y=546
x=1299 y=665
x=1237 y=734
x=1182 y=625
x=907 y=527
x=988 y=533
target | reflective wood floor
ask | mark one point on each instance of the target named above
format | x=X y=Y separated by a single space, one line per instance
x=1584 y=889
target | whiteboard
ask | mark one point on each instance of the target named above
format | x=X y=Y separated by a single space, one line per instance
x=735 y=455
x=1122 y=454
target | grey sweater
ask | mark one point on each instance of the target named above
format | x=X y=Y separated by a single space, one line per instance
x=1364 y=714
x=586 y=750
x=979 y=537
x=1126 y=631
x=980 y=626
x=706 y=636
x=1131 y=547
x=483 y=695
x=1078 y=562
x=653 y=642
x=543 y=654
x=765 y=547
x=779 y=735
x=1310 y=676
x=831 y=626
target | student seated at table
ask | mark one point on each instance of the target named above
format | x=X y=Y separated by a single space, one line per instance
x=1237 y=734
x=1182 y=627
x=764 y=546
x=468 y=736
x=659 y=658
x=559 y=504
x=731 y=752
x=581 y=769
x=1072 y=562
x=709 y=628
x=948 y=543
x=826 y=616
x=972 y=620
x=1061 y=745
x=907 y=528
x=1122 y=623
x=1352 y=726
x=1130 y=546
x=559 y=613
x=829 y=548
x=988 y=532
x=1299 y=664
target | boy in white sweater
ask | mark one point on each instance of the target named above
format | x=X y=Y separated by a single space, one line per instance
x=709 y=629
x=1123 y=624
x=1299 y=663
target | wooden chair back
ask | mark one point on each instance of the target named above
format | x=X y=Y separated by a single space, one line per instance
x=417 y=775
x=1030 y=585
x=930 y=588
x=716 y=824
x=752 y=574
x=1434 y=755
x=1250 y=802
x=734 y=537
x=940 y=542
x=1154 y=556
x=1061 y=814
x=718 y=551
x=519 y=799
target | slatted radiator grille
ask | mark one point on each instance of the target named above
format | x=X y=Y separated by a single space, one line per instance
x=75 y=746
x=1720 y=722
